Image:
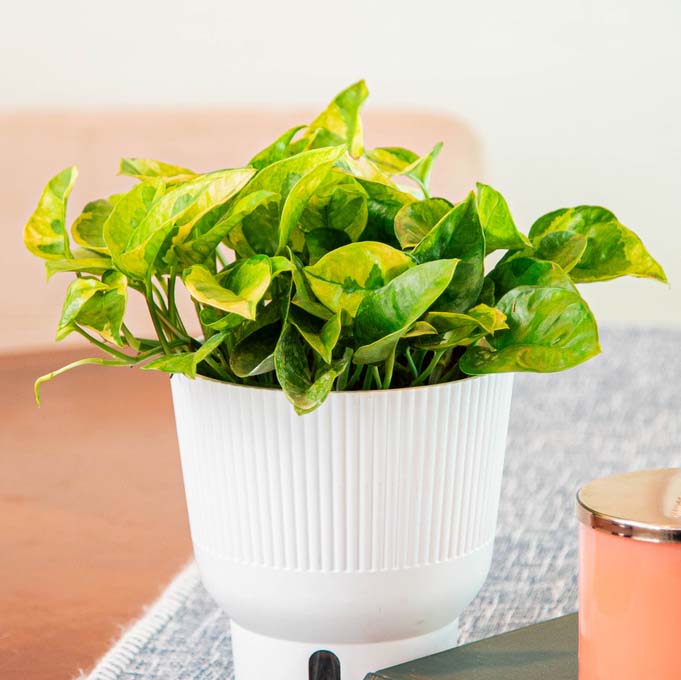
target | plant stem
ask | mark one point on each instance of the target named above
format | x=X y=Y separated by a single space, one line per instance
x=429 y=369
x=376 y=376
x=172 y=309
x=221 y=257
x=389 y=367
x=109 y=350
x=410 y=361
x=204 y=329
x=355 y=376
x=157 y=324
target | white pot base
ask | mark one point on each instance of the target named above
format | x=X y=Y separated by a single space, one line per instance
x=258 y=656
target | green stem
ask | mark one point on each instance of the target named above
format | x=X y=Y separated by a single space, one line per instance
x=429 y=369
x=157 y=324
x=355 y=376
x=221 y=257
x=368 y=378
x=410 y=361
x=389 y=367
x=204 y=329
x=376 y=376
x=178 y=332
x=172 y=309
x=109 y=350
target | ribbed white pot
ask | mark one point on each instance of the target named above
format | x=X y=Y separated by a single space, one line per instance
x=363 y=528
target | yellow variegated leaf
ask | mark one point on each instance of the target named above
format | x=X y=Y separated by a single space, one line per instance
x=45 y=232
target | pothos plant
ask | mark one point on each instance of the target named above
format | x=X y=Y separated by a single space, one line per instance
x=322 y=265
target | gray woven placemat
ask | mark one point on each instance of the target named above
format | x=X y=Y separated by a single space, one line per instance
x=619 y=412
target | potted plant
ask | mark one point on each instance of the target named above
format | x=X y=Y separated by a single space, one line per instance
x=326 y=275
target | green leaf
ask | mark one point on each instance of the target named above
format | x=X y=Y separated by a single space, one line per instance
x=82 y=261
x=219 y=188
x=549 y=329
x=383 y=204
x=340 y=122
x=200 y=247
x=528 y=271
x=343 y=277
x=135 y=246
x=321 y=336
x=45 y=233
x=497 y=224
x=255 y=354
x=420 y=169
x=488 y=319
x=304 y=298
x=612 y=250
x=145 y=168
x=300 y=194
x=419 y=328
x=88 y=228
x=278 y=150
x=385 y=315
x=322 y=241
x=340 y=203
x=97 y=305
x=186 y=363
x=458 y=235
x=394 y=160
x=415 y=220
x=244 y=286
x=127 y=215
x=458 y=329
x=562 y=247
x=75 y=364
x=303 y=388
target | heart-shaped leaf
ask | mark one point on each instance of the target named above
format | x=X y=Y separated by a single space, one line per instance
x=562 y=247
x=277 y=151
x=340 y=122
x=529 y=271
x=497 y=224
x=304 y=388
x=96 y=305
x=457 y=329
x=146 y=168
x=549 y=329
x=321 y=336
x=45 y=232
x=254 y=355
x=186 y=363
x=340 y=204
x=611 y=250
x=88 y=228
x=240 y=291
x=341 y=279
x=383 y=204
x=415 y=220
x=458 y=235
x=385 y=315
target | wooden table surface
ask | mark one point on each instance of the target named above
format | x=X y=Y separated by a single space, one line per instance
x=92 y=516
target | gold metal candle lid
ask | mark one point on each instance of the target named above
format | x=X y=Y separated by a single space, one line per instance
x=642 y=505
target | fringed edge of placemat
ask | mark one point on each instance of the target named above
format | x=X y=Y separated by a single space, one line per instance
x=134 y=639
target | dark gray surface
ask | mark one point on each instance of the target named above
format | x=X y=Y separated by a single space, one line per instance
x=619 y=412
x=545 y=650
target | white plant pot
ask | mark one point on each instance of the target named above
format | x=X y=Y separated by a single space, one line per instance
x=363 y=528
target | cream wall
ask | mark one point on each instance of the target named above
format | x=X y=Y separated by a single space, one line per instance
x=574 y=101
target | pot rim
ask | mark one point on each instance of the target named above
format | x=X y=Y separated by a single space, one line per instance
x=345 y=393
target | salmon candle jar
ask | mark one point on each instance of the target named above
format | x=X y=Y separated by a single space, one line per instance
x=630 y=577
